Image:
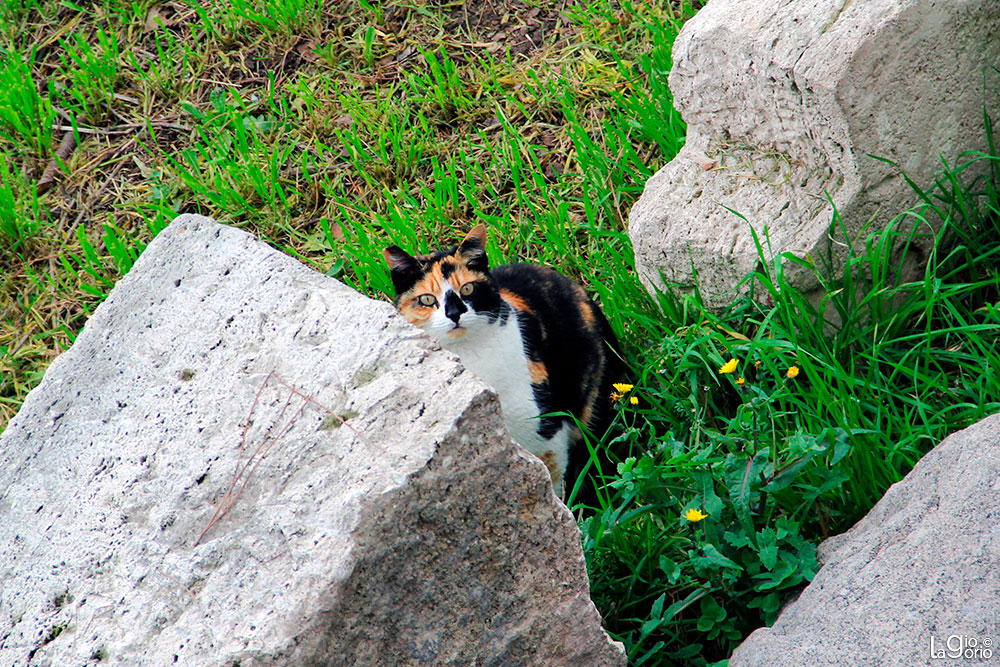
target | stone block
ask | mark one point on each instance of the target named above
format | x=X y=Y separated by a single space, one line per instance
x=242 y=461
x=786 y=104
x=914 y=582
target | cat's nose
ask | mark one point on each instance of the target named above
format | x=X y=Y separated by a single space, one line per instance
x=453 y=307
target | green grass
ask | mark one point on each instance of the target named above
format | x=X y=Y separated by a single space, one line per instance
x=334 y=129
x=24 y=112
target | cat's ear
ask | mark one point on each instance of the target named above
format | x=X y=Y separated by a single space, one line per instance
x=475 y=238
x=398 y=259
x=473 y=249
x=404 y=269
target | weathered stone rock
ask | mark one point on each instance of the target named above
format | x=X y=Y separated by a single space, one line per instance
x=786 y=103
x=922 y=566
x=378 y=512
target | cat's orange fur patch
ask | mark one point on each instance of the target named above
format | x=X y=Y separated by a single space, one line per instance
x=462 y=275
x=430 y=283
x=549 y=459
x=537 y=372
x=587 y=310
x=592 y=381
x=516 y=302
x=585 y=307
x=415 y=313
x=413 y=310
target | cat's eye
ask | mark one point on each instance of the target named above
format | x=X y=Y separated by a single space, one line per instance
x=427 y=300
x=466 y=289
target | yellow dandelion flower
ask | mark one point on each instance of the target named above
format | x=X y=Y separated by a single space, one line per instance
x=792 y=372
x=634 y=400
x=741 y=381
x=622 y=388
x=694 y=515
x=728 y=367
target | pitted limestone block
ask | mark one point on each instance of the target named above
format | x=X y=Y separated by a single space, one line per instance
x=918 y=572
x=241 y=461
x=786 y=103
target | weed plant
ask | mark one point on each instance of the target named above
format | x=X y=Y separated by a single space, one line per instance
x=334 y=129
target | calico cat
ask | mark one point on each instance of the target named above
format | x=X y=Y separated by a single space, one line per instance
x=530 y=333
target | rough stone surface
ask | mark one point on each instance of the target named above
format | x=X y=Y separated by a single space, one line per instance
x=786 y=102
x=922 y=565
x=415 y=532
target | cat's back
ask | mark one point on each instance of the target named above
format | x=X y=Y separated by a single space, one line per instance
x=562 y=305
x=564 y=327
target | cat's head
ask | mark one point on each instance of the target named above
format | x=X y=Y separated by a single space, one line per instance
x=449 y=293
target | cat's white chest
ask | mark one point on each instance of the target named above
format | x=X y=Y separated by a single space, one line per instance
x=500 y=362
x=496 y=355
